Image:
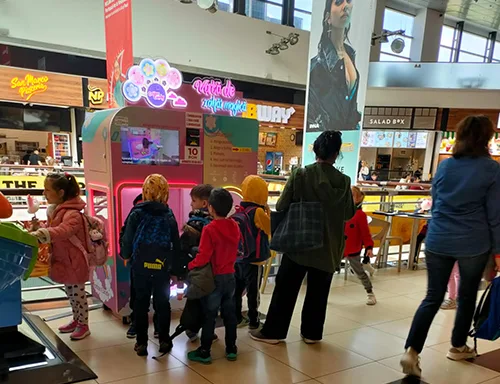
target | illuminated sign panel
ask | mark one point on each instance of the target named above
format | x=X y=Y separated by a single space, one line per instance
x=219 y=96
x=269 y=113
x=156 y=82
x=96 y=95
x=30 y=85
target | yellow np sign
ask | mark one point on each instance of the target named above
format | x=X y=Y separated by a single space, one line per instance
x=96 y=95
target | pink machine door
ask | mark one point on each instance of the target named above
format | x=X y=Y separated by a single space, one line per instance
x=179 y=201
x=103 y=278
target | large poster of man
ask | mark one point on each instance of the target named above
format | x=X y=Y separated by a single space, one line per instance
x=339 y=59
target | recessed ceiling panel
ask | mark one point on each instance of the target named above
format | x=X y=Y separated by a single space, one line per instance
x=481 y=12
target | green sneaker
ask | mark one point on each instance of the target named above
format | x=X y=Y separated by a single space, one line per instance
x=232 y=354
x=200 y=356
x=245 y=322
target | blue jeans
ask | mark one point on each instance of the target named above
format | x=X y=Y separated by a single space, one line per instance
x=222 y=298
x=439 y=269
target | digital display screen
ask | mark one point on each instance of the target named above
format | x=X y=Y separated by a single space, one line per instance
x=150 y=146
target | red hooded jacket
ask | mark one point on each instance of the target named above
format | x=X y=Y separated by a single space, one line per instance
x=357 y=234
x=219 y=246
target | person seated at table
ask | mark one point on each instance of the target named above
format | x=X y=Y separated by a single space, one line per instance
x=374 y=176
x=415 y=180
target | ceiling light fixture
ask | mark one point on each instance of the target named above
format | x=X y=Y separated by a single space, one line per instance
x=208 y=5
x=284 y=44
x=384 y=36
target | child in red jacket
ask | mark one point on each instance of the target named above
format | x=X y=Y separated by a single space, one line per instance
x=358 y=236
x=219 y=247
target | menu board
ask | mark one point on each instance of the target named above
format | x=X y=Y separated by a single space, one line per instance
x=494 y=147
x=384 y=139
x=421 y=140
x=447 y=145
x=401 y=139
x=412 y=139
x=368 y=139
x=230 y=150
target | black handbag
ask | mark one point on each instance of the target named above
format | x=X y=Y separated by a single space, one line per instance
x=301 y=228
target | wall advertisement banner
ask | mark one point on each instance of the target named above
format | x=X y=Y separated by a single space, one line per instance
x=119 y=53
x=339 y=56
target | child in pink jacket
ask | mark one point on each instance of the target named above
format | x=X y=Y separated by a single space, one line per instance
x=68 y=265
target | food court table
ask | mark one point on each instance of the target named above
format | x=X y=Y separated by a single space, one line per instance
x=416 y=217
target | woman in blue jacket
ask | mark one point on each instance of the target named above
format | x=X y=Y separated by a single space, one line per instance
x=465 y=227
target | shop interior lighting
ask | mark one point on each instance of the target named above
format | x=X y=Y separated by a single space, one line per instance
x=284 y=44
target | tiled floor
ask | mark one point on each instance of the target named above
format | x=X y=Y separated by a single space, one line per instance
x=362 y=345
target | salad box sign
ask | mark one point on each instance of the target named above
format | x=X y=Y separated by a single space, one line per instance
x=387 y=122
x=156 y=82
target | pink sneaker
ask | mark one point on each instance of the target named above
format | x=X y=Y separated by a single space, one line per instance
x=68 y=328
x=81 y=332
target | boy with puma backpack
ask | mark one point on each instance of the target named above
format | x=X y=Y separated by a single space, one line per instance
x=151 y=240
x=254 y=221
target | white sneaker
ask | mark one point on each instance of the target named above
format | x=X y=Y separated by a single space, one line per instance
x=410 y=362
x=371 y=300
x=449 y=304
x=463 y=353
x=309 y=341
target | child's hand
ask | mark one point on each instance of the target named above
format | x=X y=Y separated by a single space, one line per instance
x=369 y=253
x=35 y=225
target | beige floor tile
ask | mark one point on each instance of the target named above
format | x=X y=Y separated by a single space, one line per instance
x=437 y=334
x=399 y=286
x=316 y=360
x=96 y=316
x=182 y=375
x=437 y=369
x=373 y=373
x=106 y=334
x=418 y=295
x=88 y=382
x=333 y=324
x=365 y=314
x=368 y=342
x=309 y=382
x=251 y=368
x=493 y=381
x=399 y=304
x=121 y=362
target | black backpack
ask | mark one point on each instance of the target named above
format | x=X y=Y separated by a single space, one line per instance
x=486 y=323
x=153 y=247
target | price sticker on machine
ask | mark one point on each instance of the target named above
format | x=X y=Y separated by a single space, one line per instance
x=192 y=155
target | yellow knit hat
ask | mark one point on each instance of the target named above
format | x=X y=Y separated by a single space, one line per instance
x=155 y=188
